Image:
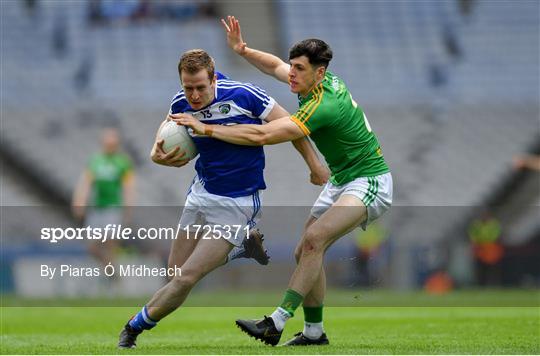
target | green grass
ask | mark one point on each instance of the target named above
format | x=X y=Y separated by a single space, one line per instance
x=211 y=330
x=334 y=297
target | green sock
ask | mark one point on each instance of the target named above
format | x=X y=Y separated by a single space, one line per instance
x=313 y=314
x=291 y=301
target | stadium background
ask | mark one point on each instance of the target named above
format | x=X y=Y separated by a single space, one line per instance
x=451 y=88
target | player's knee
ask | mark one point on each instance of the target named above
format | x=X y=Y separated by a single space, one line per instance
x=310 y=247
x=312 y=242
x=298 y=253
x=186 y=280
x=182 y=283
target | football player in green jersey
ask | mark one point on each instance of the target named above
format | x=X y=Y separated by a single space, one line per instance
x=108 y=186
x=358 y=192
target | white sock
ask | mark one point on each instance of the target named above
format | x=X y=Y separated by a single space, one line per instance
x=280 y=317
x=313 y=331
x=235 y=253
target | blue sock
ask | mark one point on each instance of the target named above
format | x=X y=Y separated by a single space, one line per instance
x=142 y=321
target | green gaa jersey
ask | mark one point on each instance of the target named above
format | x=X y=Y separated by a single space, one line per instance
x=340 y=130
x=108 y=172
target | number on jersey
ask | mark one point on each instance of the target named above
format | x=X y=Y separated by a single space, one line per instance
x=366 y=122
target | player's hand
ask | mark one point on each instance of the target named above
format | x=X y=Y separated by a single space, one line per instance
x=189 y=121
x=234 y=35
x=319 y=175
x=174 y=158
x=526 y=162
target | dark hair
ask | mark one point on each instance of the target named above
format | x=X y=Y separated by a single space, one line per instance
x=317 y=51
x=194 y=60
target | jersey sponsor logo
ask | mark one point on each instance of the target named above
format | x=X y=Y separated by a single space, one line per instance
x=224 y=108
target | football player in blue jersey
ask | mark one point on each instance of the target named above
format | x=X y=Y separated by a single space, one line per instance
x=223 y=201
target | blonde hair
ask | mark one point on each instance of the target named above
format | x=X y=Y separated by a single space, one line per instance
x=194 y=60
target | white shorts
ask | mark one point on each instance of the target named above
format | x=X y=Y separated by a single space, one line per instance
x=375 y=192
x=226 y=217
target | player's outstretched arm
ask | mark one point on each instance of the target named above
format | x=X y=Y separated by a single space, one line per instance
x=174 y=158
x=319 y=174
x=265 y=62
x=277 y=131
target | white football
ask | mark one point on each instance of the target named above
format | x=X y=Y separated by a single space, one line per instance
x=177 y=136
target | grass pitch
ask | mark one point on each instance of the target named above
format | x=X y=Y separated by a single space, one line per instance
x=211 y=330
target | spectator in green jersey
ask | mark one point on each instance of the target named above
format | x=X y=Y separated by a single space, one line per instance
x=105 y=193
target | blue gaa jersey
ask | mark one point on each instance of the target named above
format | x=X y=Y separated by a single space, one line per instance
x=227 y=169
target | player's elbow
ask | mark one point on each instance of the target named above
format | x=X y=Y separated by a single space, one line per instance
x=270 y=138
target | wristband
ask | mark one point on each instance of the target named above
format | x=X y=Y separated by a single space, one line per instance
x=208 y=130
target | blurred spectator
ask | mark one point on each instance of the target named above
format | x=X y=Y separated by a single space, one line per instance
x=107 y=185
x=368 y=244
x=83 y=75
x=175 y=10
x=143 y=10
x=439 y=95
x=105 y=11
x=31 y=7
x=439 y=282
x=485 y=234
x=119 y=9
x=181 y=10
x=94 y=12
x=440 y=70
x=60 y=44
x=465 y=7
x=451 y=43
x=208 y=8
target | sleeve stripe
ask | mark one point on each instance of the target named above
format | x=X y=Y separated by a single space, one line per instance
x=268 y=108
x=314 y=107
x=257 y=89
x=299 y=123
x=264 y=99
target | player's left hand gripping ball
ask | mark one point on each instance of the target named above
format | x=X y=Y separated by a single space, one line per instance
x=189 y=121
